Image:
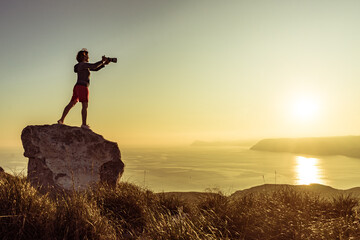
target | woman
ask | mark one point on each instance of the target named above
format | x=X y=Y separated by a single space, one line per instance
x=81 y=88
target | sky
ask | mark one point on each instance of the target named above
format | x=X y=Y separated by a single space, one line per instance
x=187 y=70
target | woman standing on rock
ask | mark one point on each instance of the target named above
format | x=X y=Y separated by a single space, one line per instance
x=81 y=88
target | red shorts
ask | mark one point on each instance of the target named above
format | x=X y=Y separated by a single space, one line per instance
x=80 y=93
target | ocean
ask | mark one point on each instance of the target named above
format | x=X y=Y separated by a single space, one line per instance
x=223 y=168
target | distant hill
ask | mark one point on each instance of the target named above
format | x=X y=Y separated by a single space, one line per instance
x=346 y=146
x=316 y=189
x=198 y=143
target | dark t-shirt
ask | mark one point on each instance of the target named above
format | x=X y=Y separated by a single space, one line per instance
x=83 y=71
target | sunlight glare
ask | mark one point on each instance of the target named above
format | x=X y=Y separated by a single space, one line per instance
x=307 y=171
x=305 y=109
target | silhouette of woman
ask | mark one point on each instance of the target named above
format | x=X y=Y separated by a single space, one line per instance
x=81 y=88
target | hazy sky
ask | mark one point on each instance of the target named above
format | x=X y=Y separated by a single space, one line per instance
x=187 y=70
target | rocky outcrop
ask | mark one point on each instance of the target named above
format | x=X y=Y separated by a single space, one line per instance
x=70 y=158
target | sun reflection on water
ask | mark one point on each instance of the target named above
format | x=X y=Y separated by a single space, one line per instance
x=307 y=171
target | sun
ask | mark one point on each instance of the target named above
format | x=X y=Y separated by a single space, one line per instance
x=305 y=108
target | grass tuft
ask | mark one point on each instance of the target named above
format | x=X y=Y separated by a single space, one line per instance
x=131 y=212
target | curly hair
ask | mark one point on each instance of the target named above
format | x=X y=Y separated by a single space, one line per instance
x=81 y=54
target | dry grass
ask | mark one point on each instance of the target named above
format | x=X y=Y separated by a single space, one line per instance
x=130 y=212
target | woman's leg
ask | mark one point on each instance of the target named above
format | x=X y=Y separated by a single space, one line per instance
x=84 y=112
x=66 y=111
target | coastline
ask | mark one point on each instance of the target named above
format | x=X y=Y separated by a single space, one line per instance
x=229 y=169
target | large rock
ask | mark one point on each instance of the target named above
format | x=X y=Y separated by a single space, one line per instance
x=70 y=158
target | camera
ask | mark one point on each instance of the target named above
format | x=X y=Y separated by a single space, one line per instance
x=114 y=60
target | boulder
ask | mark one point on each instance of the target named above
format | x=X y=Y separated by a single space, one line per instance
x=70 y=158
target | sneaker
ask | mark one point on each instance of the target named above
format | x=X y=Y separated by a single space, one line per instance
x=85 y=126
x=60 y=122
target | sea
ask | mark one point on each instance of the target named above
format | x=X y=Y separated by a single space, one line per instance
x=224 y=168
